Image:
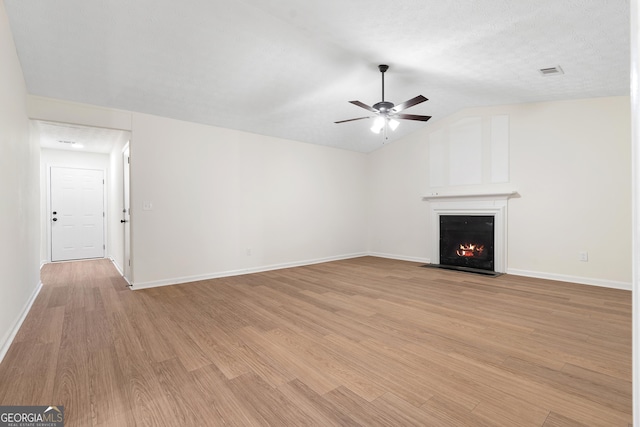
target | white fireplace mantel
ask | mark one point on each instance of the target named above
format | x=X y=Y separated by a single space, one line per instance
x=501 y=195
x=490 y=204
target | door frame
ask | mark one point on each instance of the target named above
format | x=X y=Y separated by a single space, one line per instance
x=49 y=166
x=127 y=268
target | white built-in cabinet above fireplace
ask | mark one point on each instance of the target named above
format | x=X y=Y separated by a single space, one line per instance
x=488 y=203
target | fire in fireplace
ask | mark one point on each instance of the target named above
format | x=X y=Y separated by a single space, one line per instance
x=466 y=241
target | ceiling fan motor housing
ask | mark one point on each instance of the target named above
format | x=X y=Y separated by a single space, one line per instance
x=384 y=106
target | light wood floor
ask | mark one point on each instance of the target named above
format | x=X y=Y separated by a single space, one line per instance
x=362 y=342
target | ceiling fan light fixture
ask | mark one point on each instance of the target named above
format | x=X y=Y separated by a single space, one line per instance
x=393 y=124
x=378 y=124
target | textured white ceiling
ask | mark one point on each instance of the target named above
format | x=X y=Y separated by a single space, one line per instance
x=287 y=68
x=62 y=136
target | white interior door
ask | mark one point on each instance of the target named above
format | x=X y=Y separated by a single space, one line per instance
x=77 y=214
x=126 y=212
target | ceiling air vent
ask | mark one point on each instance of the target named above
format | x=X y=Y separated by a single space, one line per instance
x=72 y=144
x=552 y=71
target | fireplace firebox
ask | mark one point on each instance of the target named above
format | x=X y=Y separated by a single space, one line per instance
x=467 y=241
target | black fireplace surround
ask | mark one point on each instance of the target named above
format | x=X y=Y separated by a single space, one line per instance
x=466 y=241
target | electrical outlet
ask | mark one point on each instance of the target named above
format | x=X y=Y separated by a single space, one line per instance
x=583 y=256
x=147 y=206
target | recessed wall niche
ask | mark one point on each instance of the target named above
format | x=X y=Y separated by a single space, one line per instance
x=470 y=151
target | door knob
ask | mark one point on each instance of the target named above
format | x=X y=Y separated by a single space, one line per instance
x=55 y=219
x=123 y=220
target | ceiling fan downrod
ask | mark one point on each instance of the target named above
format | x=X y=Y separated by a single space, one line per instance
x=383 y=106
x=383 y=68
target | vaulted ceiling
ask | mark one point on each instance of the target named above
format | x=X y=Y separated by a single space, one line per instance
x=286 y=68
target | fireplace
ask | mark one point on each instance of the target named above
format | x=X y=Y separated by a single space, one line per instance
x=478 y=207
x=467 y=241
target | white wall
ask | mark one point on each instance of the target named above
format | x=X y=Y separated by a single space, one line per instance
x=398 y=179
x=19 y=194
x=219 y=194
x=570 y=163
x=226 y=201
x=62 y=158
x=572 y=157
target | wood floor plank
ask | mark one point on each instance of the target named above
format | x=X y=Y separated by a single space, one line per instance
x=405 y=364
x=556 y=420
x=268 y=404
x=71 y=382
x=352 y=375
x=219 y=347
x=188 y=408
x=572 y=382
x=34 y=365
x=448 y=412
x=189 y=353
x=323 y=412
x=226 y=408
x=298 y=367
x=396 y=376
x=537 y=393
x=403 y=413
x=510 y=411
x=107 y=390
x=358 y=342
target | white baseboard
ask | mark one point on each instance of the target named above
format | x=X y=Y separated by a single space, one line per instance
x=536 y=274
x=229 y=273
x=117 y=266
x=572 y=279
x=120 y=270
x=11 y=334
x=400 y=257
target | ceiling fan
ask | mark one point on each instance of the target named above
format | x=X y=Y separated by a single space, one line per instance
x=387 y=112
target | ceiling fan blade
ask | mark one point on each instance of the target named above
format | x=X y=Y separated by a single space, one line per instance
x=410 y=103
x=363 y=105
x=411 y=117
x=350 y=120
